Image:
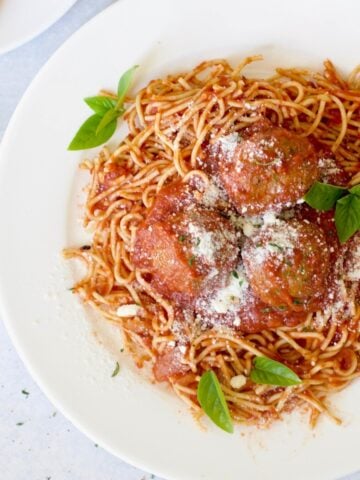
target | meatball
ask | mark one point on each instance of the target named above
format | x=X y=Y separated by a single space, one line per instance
x=183 y=247
x=268 y=168
x=257 y=315
x=235 y=306
x=287 y=264
x=325 y=221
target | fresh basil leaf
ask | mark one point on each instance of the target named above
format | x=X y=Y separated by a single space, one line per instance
x=86 y=136
x=100 y=104
x=212 y=401
x=109 y=116
x=323 y=196
x=269 y=372
x=124 y=84
x=347 y=217
x=355 y=190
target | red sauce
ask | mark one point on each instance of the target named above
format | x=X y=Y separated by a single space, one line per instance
x=114 y=172
x=169 y=365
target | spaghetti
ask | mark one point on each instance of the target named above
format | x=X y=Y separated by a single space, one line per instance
x=172 y=122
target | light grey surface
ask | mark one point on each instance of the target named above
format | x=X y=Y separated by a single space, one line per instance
x=46 y=445
x=36 y=441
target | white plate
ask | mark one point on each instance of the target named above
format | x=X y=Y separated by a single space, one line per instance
x=142 y=423
x=22 y=20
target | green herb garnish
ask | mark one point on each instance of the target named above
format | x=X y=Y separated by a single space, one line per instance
x=101 y=126
x=197 y=242
x=297 y=301
x=307 y=329
x=276 y=246
x=355 y=190
x=322 y=196
x=116 y=370
x=182 y=238
x=100 y=104
x=24 y=392
x=347 y=217
x=269 y=372
x=19 y=424
x=213 y=402
x=191 y=260
x=235 y=274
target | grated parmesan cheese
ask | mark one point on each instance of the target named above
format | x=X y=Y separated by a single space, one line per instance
x=238 y=381
x=131 y=310
x=228 y=144
x=228 y=298
x=280 y=242
x=353 y=272
x=329 y=169
x=205 y=243
x=250 y=225
x=211 y=195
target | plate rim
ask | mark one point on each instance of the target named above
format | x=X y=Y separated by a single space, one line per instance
x=6 y=318
x=41 y=28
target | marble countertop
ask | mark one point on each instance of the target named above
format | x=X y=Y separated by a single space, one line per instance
x=37 y=442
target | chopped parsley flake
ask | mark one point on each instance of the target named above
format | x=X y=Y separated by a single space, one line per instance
x=307 y=329
x=182 y=238
x=191 y=260
x=275 y=245
x=19 y=424
x=235 y=274
x=24 y=392
x=296 y=301
x=116 y=370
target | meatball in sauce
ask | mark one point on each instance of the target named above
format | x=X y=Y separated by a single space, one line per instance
x=287 y=264
x=267 y=168
x=184 y=247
